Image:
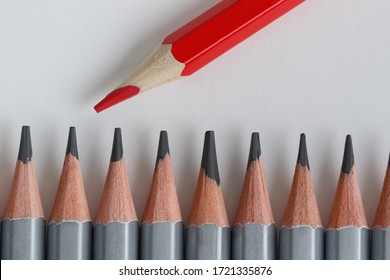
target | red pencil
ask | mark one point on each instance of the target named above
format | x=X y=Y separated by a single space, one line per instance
x=199 y=42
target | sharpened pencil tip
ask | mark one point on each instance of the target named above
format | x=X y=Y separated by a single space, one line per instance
x=388 y=163
x=303 y=158
x=348 y=159
x=163 y=146
x=117 y=147
x=116 y=96
x=255 y=149
x=25 y=147
x=209 y=157
x=72 y=143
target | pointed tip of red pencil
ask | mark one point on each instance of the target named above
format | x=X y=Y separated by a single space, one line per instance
x=116 y=96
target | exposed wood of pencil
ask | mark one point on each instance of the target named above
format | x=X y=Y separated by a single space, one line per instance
x=116 y=204
x=254 y=205
x=347 y=209
x=24 y=199
x=162 y=204
x=208 y=206
x=159 y=68
x=382 y=216
x=302 y=208
x=199 y=42
x=71 y=201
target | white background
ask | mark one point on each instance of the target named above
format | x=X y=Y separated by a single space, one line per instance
x=323 y=69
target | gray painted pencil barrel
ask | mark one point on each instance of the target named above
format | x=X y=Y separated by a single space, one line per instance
x=23 y=239
x=349 y=243
x=208 y=242
x=301 y=243
x=69 y=240
x=162 y=241
x=380 y=243
x=115 y=241
x=254 y=242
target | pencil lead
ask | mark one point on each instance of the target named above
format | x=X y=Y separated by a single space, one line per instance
x=255 y=149
x=388 y=163
x=117 y=147
x=72 y=143
x=209 y=157
x=163 y=146
x=303 y=159
x=25 y=148
x=116 y=96
x=348 y=159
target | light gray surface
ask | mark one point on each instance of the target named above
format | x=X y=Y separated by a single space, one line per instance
x=208 y=242
x=349 y=243
x=254 y=242
x=115 y=241
x=380 y=243
x=23 y=239
x=301 y=243
x=162 y=241
x=69 y=240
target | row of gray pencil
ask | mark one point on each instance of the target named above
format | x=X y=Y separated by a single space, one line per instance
x=116 y=232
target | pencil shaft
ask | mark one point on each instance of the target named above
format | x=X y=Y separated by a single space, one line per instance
x=115 y=241
x=221 y=28
x=69 y=240
x=301 y=243
x=349 y=243
x=23 y=239
x=208 y=242
x=254 y=242
x=162 y=241
x=380 y=243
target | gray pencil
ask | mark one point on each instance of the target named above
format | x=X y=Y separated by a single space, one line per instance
x=69 y=232
x=301 y=236
x=208 y=231
x=162 y=230
x=23 y=226
x=347 y=234
x=254 y=231
x=380 y=233
x=115 y=231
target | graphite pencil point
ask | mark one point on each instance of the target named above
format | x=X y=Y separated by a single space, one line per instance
x=25 y=147
x=302 y=153
x=72 y=143
x=388 y=163
x=163 y=146
x=209 y=157
x=117 y=147
x=255 y=150
x=348 y=159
